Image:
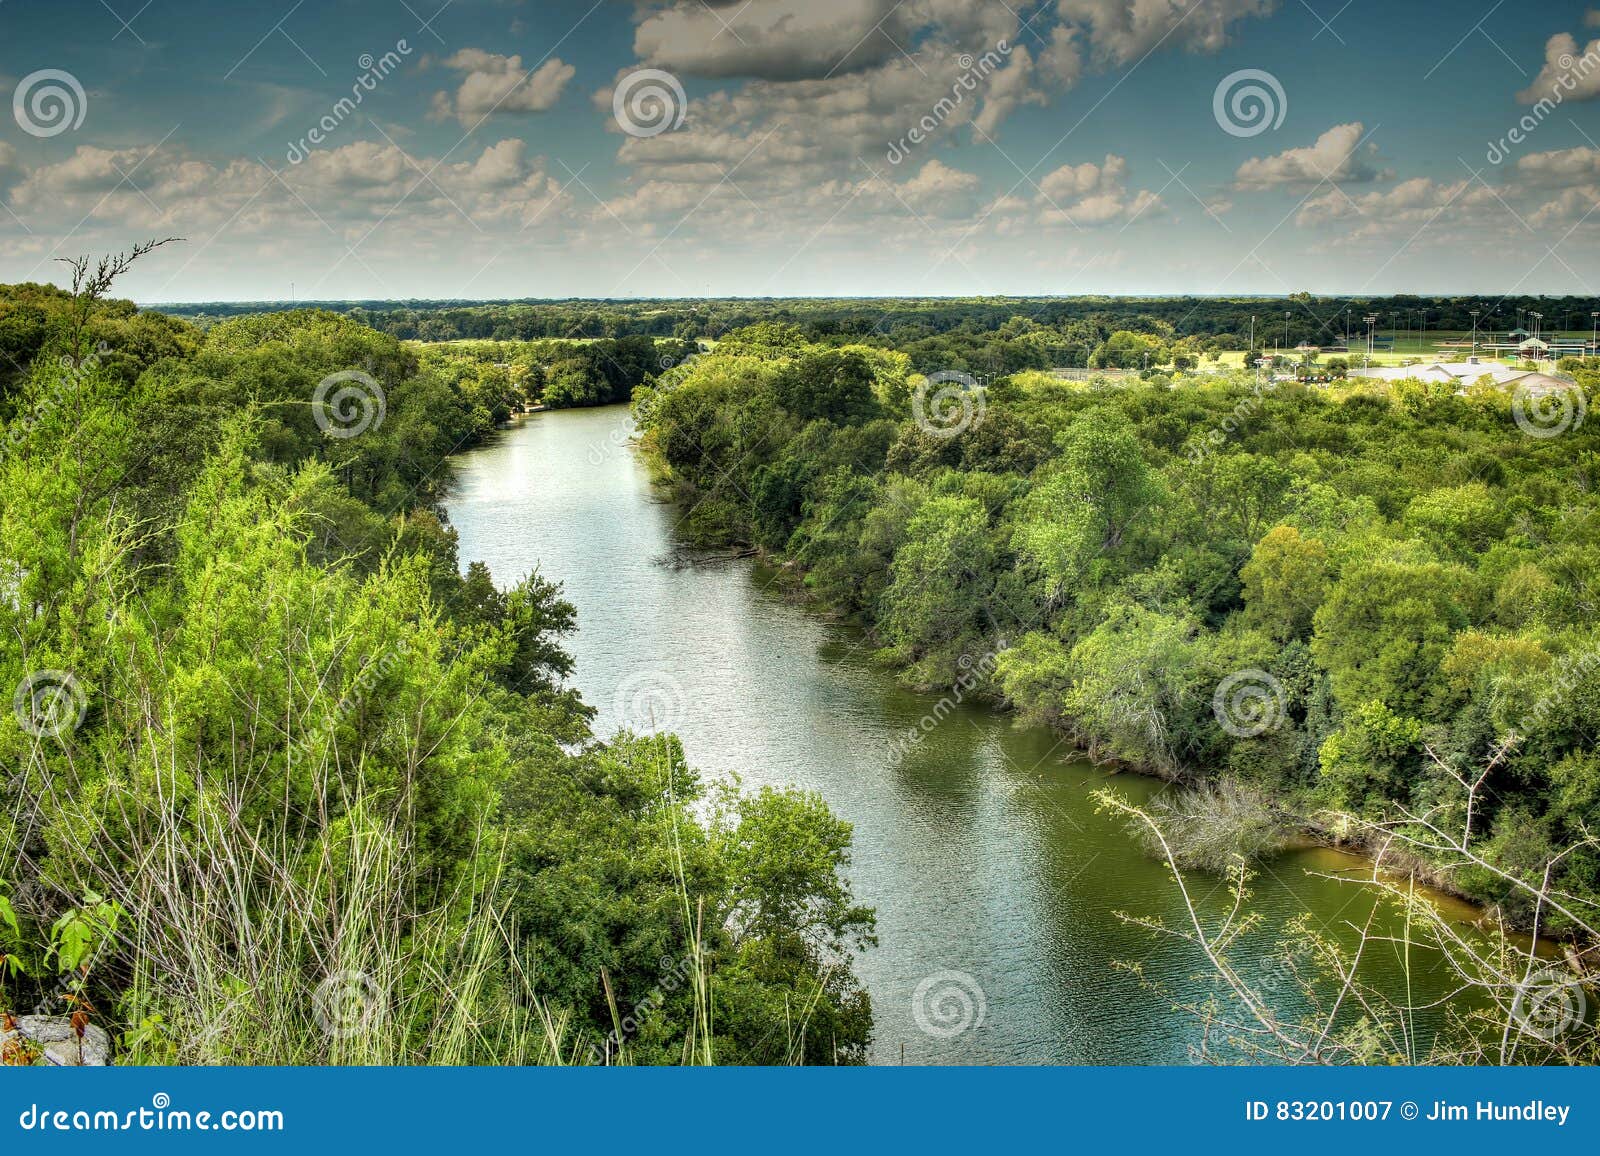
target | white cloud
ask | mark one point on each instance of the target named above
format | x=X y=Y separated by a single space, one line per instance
x=1119 y=32
x=1089 y=195
x=1336 y=156
x=772 y=39
x=495 y=83
x=1567 y=74
x=1561 y=167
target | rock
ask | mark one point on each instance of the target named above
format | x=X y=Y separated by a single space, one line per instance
x=55 y=1038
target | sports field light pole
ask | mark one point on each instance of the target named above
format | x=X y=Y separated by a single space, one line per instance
x=1475 y=313
x=1372 y=321
x=1594 y=331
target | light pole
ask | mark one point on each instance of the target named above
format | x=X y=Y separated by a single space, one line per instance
x=1372 y=321
x=1286 y=329
x=1475 y=313
x=1594 y=332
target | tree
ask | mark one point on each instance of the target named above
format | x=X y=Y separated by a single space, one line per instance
x=1074 y=522
x=1285 y=581
x=1384 y=630
x=831 y=386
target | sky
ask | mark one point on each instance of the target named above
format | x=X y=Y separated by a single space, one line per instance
x=355 y=149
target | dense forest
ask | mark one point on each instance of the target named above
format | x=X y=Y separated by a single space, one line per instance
x=283 y=785
x=277 y=762
x=980 y=335
x=1341 y=604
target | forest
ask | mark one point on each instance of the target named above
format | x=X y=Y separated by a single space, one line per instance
x=283 y=785
x=1355 y=612
x=1336 y=603
x=980 y=335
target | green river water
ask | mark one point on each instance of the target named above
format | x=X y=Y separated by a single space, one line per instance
x=980 y=848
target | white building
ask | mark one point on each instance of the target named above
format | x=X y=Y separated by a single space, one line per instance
x=1465 y=373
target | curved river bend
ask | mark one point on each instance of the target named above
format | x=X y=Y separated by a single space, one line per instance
x=980 y=848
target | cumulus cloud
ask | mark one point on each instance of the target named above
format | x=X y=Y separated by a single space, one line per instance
x=1089 y=194
x=1118 y=32
x=1561 y=167
x=493 y=83
x=1567 y=74
x=937 y=188
x=346 y=190
x=1337 y=156
x=772 y=39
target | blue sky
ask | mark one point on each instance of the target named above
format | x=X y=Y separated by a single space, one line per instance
x=807 y=146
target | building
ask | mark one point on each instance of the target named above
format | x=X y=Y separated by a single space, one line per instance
x=1465 y=373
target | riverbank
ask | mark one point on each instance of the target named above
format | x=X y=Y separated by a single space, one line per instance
x=1302 y=825
x=981 y=848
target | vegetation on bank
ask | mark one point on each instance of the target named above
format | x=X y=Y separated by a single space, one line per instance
x=282 y=785
x=1283 y=592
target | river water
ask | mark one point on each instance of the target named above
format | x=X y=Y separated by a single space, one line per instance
x=980 y=847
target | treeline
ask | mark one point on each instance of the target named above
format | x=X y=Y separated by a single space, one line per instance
x=985 y=329
x=557 y=374
x=283 y=785
x=1305 y=592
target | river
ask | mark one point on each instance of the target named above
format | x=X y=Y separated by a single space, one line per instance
x=981 y=848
